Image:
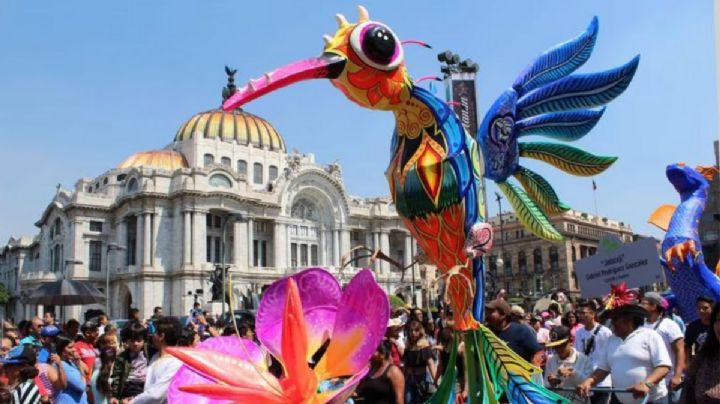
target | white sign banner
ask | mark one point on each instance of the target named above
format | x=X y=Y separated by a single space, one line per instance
x=636 y=264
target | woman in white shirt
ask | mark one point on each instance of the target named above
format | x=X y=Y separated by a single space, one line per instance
x=567 y=367
x=635 y=357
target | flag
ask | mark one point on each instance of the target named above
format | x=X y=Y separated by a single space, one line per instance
x=594 y=185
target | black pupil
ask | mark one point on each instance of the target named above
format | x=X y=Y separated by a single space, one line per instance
x=379 y=45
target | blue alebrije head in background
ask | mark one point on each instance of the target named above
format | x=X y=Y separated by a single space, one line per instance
x=685 y=179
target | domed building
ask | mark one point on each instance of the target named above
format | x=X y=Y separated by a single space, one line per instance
x=153 y=227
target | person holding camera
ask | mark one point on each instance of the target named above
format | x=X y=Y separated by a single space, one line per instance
x=567 y=367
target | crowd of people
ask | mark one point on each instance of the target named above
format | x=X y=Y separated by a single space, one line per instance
x=638 y=352
x=44 y=361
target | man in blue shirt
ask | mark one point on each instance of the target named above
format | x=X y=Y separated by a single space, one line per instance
x=521 y=339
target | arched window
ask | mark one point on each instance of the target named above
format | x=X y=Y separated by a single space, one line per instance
x=257 y=173
x=537 y=260
x=226 y=161
x=507 y=263
x=57 y=259
x=208 y=159
x=522 y=262
x=56 y=228
x=273 y=173
x=132 y=185
x=492 y=262
x=219 y=180
x=56 y=245
x=242 y=167
x=554 y=265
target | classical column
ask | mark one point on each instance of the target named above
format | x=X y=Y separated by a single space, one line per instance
x=408 y=250
x=385 y=247
x=77 y=251
x=279 y=259
x=199 y=231
x=147 y=239
x=323 y=246
x=375 y=247
x=155 y=255
x=368 y=244
x=288 y=253
x=121 y=239
x=138 y=240
x=251 y=253
x=345 y=243
x=336 y=247
x=239 y=253
x=187 y=237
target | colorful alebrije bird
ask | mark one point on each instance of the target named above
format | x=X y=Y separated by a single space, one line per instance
x=436 y=168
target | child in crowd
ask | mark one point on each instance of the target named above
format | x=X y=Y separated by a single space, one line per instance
x=130 y=368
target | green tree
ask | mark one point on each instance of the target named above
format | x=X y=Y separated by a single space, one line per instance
x=4 y=294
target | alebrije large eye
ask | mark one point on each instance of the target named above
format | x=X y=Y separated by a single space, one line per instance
x=377 y=45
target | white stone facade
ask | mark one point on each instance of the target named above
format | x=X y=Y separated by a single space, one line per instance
x=158 y=231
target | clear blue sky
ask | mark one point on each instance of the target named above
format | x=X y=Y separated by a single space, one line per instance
x=85 y=84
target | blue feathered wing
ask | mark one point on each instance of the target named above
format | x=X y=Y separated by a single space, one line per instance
x=548 y=100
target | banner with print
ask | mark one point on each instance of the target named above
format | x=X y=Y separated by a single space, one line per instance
x=637 y=264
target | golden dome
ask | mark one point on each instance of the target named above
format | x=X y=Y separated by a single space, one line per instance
x=164 y=159
x=237 y=125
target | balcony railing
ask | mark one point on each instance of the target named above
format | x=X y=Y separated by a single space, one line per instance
x=48 y=276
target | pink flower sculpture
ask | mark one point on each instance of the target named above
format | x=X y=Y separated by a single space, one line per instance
x=297 y=316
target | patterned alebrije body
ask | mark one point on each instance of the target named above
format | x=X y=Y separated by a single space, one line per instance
x=433 y=175
x=436 y=169
x=690 y=277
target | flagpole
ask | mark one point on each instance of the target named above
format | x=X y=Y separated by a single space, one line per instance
x=594 y=186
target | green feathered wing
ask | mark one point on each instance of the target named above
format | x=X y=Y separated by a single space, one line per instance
x=529 y=213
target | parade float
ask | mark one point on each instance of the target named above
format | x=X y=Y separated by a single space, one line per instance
x=434 y=174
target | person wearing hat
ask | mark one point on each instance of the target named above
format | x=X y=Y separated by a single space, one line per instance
x=635 y=357
x=567 y=367
x=671 y=334
x=47 y=336
x=85 y=345
x=520 y=338
x=542 y=334
x=19 y=368
x=517 y=314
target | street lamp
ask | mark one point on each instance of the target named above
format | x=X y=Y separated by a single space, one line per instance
x=229 y=218
x=110 y=247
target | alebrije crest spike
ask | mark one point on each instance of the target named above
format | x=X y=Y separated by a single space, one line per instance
x=341 y=20
x=709 y=172
x=363 y=15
